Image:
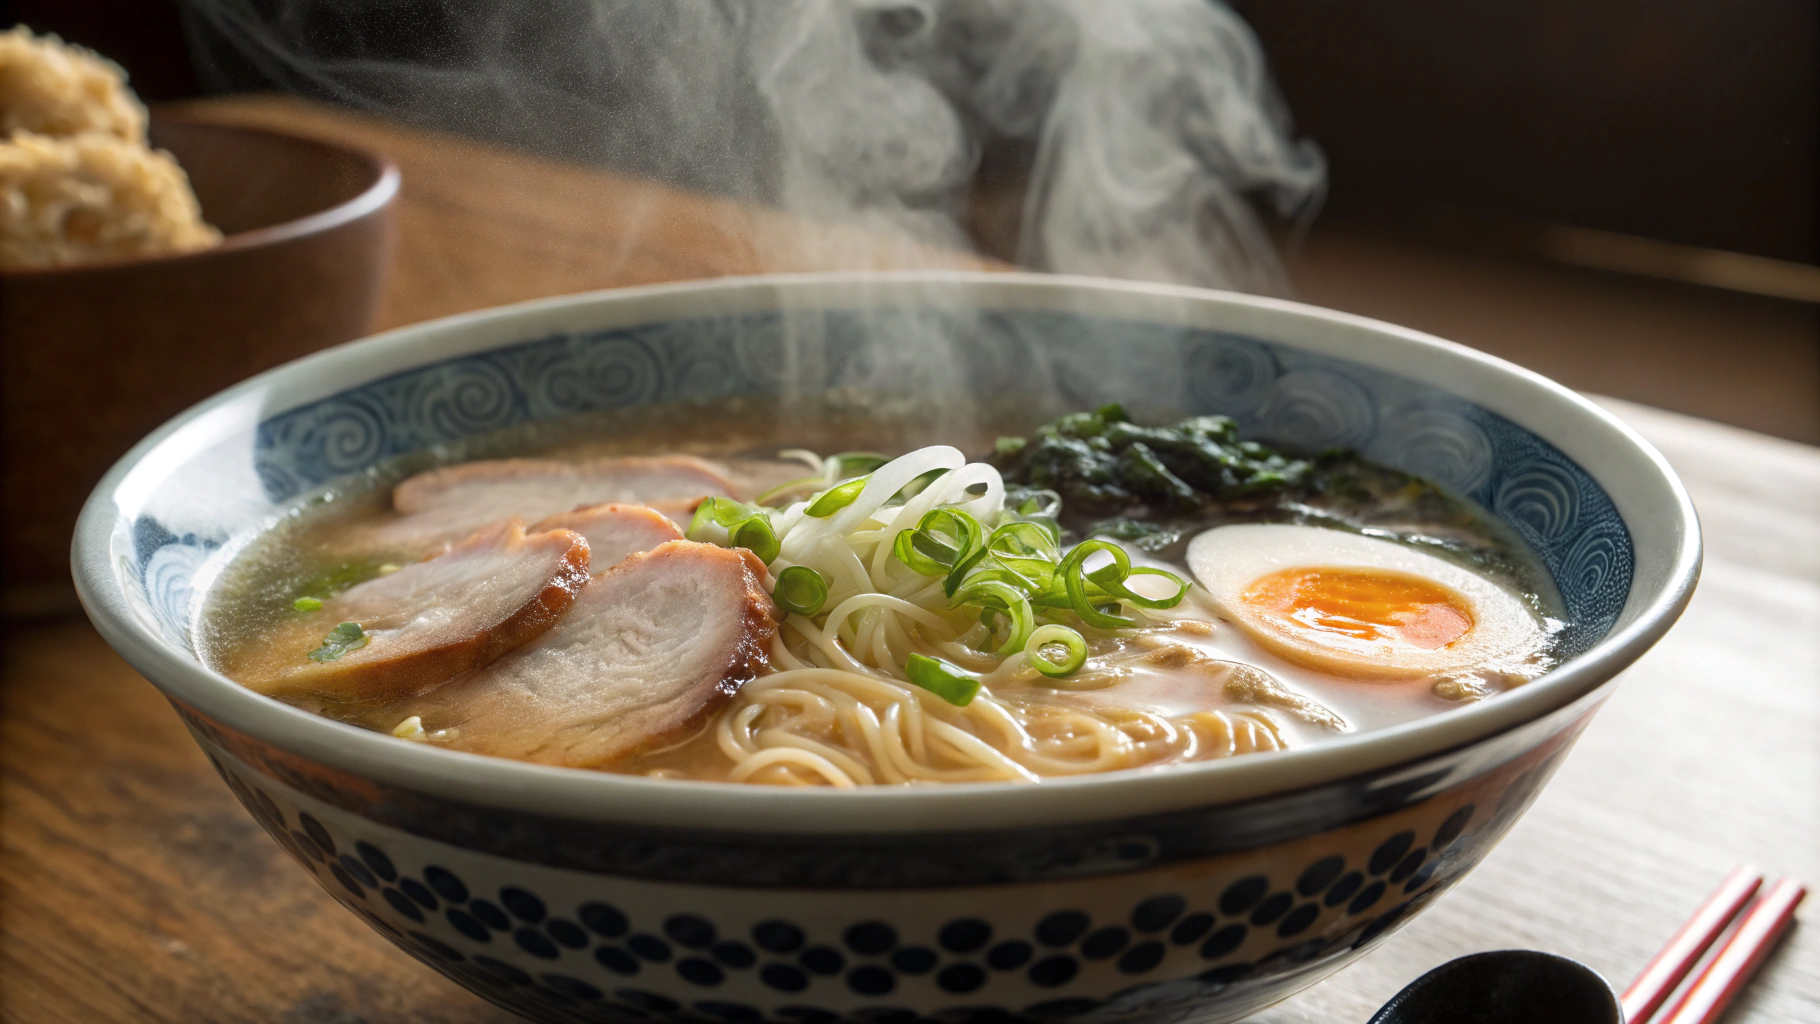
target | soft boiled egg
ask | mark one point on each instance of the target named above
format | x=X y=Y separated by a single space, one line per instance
x=1358 y=606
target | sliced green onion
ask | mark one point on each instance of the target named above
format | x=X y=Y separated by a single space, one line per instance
x=800 y=590
x=942 y=540
x=946 y=681
x=925 y=553
x=1075 y=582
x=723 y=512
x=998 y=574
x=1028 y=549
x=1025 y=539
x=963 y=570
x=1111 y=578
x=1070 y=640
x=836 y=498
x=307 y=604
x=747 y=527
x=1126 y=594
x=1002 y=598
x=343 y=638
x=757 y=536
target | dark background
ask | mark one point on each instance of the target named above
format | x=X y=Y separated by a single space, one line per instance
x=1688 y=121
x=1692 y=121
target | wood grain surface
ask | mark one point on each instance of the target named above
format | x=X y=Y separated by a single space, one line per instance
x=134 y=888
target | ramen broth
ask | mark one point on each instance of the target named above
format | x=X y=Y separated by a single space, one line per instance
x=1377 y=578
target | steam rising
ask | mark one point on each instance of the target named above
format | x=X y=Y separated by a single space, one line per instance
x=1155 y=129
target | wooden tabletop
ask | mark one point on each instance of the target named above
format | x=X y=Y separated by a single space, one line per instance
x=134 y=888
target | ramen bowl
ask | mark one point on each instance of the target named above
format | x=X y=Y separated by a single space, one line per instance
x=1205 y=891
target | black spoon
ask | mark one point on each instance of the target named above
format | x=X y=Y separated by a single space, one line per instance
x=1509 y=986
x=1520 y=986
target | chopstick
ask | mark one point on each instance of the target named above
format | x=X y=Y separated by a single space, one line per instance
x=1659 y=978
x=1763 y=926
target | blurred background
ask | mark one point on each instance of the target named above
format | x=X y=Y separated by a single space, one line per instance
x=1620 y=195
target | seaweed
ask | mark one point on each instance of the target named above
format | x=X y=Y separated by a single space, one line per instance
x=1101 y=462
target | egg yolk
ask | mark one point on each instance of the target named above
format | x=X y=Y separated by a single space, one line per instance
x=1370 y=607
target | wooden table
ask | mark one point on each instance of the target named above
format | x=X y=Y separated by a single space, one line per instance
x=134 y=888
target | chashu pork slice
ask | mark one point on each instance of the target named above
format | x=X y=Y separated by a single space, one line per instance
x=614 y=532
x=442 y=505
x=429 y=621
x=650 y=650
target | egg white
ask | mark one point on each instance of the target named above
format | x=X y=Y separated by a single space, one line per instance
x=1229 y=559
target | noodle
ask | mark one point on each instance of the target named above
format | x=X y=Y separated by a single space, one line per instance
x=786 y=755
x=863 y=728
x=838 y=707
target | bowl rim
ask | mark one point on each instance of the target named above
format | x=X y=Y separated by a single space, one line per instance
x=374 y=197
x=586 y=795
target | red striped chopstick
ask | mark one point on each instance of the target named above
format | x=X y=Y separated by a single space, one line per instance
x=1658 y=980
x=1763 y=926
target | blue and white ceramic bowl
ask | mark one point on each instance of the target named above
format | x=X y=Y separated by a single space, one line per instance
x=1201 y=892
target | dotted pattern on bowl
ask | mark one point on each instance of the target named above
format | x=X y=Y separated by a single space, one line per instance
x=601 y=958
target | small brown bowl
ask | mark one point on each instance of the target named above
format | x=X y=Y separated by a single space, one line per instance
x=93 y=357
